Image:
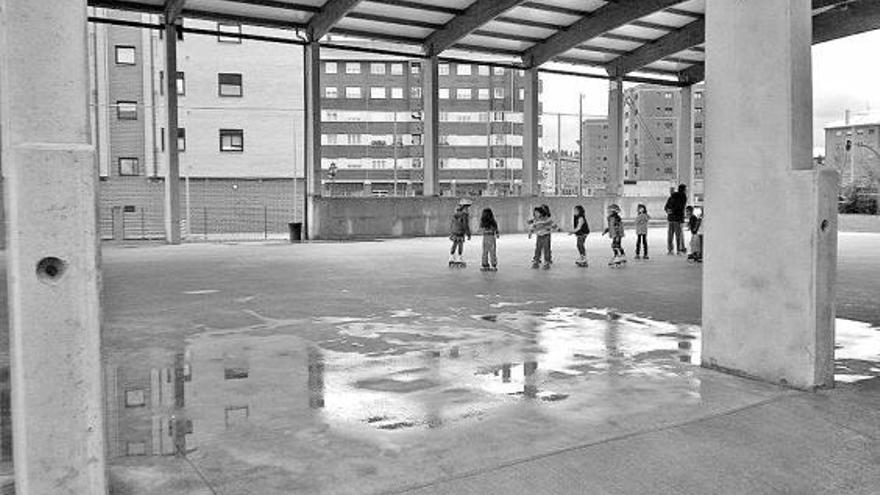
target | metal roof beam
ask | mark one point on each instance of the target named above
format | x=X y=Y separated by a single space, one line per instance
x=603 y=19
x=276 y=4
x=847 y=19
x=476 y=15
x=332 y=11
x=173 y=8
x=688 y=36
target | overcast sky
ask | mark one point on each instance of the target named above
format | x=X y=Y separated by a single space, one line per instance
x=846 y=75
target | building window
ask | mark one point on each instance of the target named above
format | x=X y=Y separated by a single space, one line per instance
x=229 y=85
x=499 y=139
x=231 y=140
x=330 y=68
x=353 y=138
x=181 y=139
x=353 y=92
x=377 y=93
x=129 y=166
x=498 y=93
x=667 y=109
x=415 y=68
x=698 y=140
x=698 y=125
x=463 y=94
x=377 y=68
x=668 y=125
x=698 y=156
x=125 y=55
x=698 y=95
x=331 y=92
x=667 y=156
x=443 y=69
x=499 y=163
x=463 y=69
x=126 y=110
x=330 y=139
x=871 y=131
x=443 y=93
x=483 y=70
x=667 y=140
x=483 y=93
x=498 y=71
x=397 y=93
x=522 y=94
x=698 y=109
x=396 y=69
x=415 y=92
x=228 y=32
x=378 y=163
x=417 y=139
x=135 y=398
x=181 y=84
x=667 y=95
x=352 y=68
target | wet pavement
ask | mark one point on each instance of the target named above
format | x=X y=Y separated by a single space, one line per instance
x=372 y=368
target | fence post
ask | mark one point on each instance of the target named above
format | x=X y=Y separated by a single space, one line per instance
x=205 y=221
x=143 y=226
x=265 y=222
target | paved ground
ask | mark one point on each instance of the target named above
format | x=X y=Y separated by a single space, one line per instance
x=373 y=368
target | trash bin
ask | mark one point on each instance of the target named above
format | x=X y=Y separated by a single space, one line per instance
x=296 y=231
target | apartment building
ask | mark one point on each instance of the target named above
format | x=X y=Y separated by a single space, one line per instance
x=372 y=127
x=650 y=147
x=240 y=129
x=852 y=146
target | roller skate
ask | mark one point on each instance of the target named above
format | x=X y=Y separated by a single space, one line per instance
x=456 y=262
x=581 y=261
x=536 y=264
x=546 y=265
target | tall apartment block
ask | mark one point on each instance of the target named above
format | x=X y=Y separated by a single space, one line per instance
x=651 y=140
x=852 y=146
x=372 y=127
x=240 y=117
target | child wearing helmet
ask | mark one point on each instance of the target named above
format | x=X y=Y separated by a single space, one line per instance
x=615 y=232
x=542 y=225
x=459 y=228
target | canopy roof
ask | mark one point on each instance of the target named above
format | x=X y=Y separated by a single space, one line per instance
x=663 y=38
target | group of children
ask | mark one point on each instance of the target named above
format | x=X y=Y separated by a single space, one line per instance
x=542 y=226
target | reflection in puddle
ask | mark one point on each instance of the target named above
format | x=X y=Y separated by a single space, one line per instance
x=265 y=392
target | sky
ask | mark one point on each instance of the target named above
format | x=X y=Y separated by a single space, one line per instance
x=846 y=75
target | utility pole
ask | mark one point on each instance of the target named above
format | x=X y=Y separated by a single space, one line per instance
x=580 y=189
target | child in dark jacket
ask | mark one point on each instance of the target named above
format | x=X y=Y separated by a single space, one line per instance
x=459 y=228
x=615 y=232
x=489 y=228
x=581 y=230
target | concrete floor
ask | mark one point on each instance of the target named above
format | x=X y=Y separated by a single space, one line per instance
x=373 y=368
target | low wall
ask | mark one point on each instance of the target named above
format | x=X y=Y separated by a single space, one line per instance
x=858 y=223
x=351 y=218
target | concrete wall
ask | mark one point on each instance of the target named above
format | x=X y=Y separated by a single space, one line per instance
x=348 y=218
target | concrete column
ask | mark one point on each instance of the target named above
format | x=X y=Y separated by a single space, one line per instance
x=172 y=176
x=312 y=86
x=685 y=146
x=531 y=176
x=615 y=138
x=50 y=181
x=431 y=136
x=771 y=221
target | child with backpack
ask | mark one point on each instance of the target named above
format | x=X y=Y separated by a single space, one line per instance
x=459 y=228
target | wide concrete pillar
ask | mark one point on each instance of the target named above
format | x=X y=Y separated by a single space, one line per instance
x=685 y=146
x=172 y=177
x=312 y=149
x=771 y=221
x=50 y=181
x=531 y=176
x=614 y=174
x=431 y=136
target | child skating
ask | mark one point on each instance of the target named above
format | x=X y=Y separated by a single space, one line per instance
x=642 y=218
x=489 y=228
x=581 y=230
x=542 y=225
x=615 y=232
x=459 y=228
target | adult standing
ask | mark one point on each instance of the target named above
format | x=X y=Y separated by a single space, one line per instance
x=675 y=206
